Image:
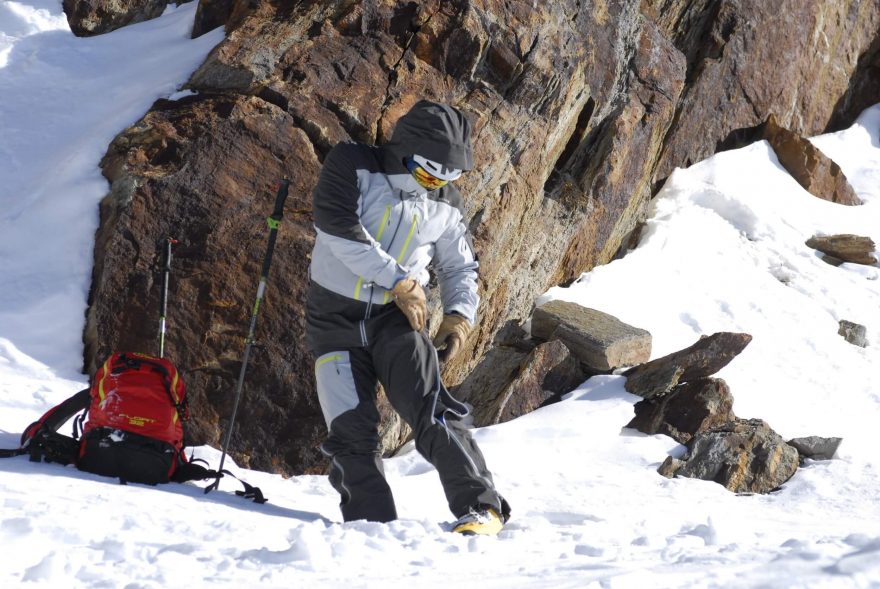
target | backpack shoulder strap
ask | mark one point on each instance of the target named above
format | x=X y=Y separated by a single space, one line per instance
x=55 y=417
x=41 y=438
x=9 y=453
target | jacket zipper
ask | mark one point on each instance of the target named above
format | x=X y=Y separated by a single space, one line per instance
x=363 y=327
x=380 y=230
x=412 y=230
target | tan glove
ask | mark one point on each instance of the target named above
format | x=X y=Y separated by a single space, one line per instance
x=410 y=298
x=453 y=331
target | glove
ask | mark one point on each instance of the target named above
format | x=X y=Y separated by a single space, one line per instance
x=410 y=298
x=453 y=331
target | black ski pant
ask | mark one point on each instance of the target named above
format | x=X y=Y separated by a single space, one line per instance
x=405 y=363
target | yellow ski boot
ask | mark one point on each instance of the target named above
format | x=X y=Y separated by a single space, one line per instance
x=479 y=522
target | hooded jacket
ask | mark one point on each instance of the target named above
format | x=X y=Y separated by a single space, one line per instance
x=376 y=226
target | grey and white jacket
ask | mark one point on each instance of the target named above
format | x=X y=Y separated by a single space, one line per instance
x=376 y=226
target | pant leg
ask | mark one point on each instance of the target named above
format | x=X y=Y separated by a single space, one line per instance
x=407 y=366
x=347 y=393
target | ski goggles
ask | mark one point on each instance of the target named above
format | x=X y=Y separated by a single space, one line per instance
x=426 y=179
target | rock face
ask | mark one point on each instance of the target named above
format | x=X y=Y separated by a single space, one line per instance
x=211 y=14
x=812 y=169
x=706 y=357
x=863 y=90
x=688 y=409
x=846 y=247
x=559 y=91
x=93 y=17
x=745 y=456
x=170 y=178
x=747 y=59
x=597 y=339
x=511 y=382
x=578 y=109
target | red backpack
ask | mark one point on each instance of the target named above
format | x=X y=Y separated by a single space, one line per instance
x=130 y=427
x=134 y=428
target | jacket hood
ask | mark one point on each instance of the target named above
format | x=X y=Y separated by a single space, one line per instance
x=436 y=131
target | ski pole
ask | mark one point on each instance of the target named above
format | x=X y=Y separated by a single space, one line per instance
x=168 y=245
x=274 y=222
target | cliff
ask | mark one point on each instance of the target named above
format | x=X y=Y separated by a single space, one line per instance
x=580 y=110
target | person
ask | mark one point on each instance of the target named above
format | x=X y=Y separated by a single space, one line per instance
x=383 y=215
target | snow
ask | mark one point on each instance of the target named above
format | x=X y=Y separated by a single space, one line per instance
x=64 y=99
x=723 y=250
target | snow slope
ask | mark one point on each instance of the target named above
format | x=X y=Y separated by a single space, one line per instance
x=723 y=250
x=64 y=99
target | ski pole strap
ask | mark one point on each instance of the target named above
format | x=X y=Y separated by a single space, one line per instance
x=274 y=222
x=283 y=188
x=250 y=491
x=190 y=471
x=4 y=453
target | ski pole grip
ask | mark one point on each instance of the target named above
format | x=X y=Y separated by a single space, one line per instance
x=169 y=245
x=280 y=198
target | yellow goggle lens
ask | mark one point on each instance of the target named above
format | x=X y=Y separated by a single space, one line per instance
x=426 y=180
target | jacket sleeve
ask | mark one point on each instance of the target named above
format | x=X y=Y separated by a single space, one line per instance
x=456 y=269
x=336 y=201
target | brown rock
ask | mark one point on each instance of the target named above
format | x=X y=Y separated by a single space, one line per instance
x=572 y=104
x=211 y=14
x=831 y=260
x=688 y=409
x=563 y=91
x=863 y=90
x=812 y=169
x=670 y=467
x=847 y=247
x=94 y=17
x=745 y=456
x=213 y=192
x=599 y=340
x=510 y=383
x=704 y=358
x=750 y=58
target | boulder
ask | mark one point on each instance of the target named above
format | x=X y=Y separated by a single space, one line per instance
x=853 y=333
x=213 y=193
x=599 y=340
x=855 y=249
x=812 y=169
x=815 y=447
x=579 y=109
x=94 y=17
x=704 y=358
x=553 y=89
x=685 y=411
x=745 y=456
x=510 y=382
